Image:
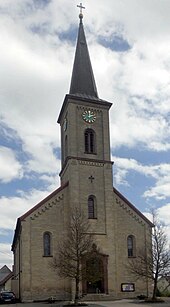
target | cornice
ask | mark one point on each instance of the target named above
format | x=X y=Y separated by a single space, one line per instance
x=85 y=161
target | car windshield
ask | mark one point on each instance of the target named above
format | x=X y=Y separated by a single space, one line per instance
x=7 y=294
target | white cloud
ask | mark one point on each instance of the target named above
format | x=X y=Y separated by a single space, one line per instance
x=139 y=90
x=10 y=168
x=137 y=80
x=13 y=207
x=5 y=255
x=35 y=72
x=139 y=19
x=28 y=89
x=160 y=173
x=164 y=218
x=36 y=68
x=161 y=190
x=164 y=214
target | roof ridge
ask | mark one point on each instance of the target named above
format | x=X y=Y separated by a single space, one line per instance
x=21 y=218
x=133 y=207
x=43 y=201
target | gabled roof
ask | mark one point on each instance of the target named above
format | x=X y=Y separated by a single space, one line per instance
x=133 y=207
x=5 y=274
x=29 y=212
x=6 y=278
x=82 y=81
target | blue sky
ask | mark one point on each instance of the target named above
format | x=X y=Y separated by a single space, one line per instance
x=129 y=45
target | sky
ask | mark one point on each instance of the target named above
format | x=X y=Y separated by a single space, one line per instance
x=129 y=45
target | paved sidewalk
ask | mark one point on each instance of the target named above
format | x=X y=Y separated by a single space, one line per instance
x=118 y=303
x=128 y=303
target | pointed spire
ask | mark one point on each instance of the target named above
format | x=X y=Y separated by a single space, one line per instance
x=82 y=81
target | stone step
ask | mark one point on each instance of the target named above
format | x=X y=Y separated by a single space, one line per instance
x=97 y=297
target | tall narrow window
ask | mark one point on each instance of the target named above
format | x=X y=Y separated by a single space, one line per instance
x=92 y=214
x=66 y=147
x=131 y=246
x=89 y=141
x=47 y=244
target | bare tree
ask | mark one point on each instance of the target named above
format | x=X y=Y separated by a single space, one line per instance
x=154 y=261
x=73 y=251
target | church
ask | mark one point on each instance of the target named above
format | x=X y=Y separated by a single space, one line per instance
x=86 y=181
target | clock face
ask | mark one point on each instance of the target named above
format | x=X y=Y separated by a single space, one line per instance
x=89 y=116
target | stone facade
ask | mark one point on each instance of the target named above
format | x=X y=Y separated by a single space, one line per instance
x=83 y=174
x=36 y=280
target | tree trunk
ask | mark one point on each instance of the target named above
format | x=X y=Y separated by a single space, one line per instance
x=77 y=292
x=154 y=289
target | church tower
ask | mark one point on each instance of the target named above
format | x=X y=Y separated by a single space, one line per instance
x=85 y=141
x=120 y=231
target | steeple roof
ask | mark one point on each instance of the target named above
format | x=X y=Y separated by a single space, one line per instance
x=82 y=81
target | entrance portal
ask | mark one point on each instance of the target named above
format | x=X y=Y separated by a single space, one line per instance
x=96 y=287
x=96 y=274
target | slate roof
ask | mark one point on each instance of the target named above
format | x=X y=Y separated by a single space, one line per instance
x=82 y=81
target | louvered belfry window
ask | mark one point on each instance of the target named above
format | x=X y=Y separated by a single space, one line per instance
x=89 y=138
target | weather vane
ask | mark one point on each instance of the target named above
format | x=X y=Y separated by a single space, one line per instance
x=81 y=8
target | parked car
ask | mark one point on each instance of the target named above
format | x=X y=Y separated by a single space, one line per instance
x=7 y=297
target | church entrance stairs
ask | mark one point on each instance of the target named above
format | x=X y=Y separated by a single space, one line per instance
x=97 y=297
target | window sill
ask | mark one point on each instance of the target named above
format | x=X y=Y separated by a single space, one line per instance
x=90 y=153
x=47 y=256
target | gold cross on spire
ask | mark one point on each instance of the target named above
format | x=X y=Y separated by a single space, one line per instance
x=81 y=7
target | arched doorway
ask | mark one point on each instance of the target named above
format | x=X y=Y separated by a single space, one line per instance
x=96 y=280
x=95 y=275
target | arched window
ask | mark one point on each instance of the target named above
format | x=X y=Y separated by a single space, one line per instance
x=89 y=141
x=92 y=212
x=131 y=246
x=47 y=243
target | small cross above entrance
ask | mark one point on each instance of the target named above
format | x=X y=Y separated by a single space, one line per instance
x=91 y=178
x=81 y=7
